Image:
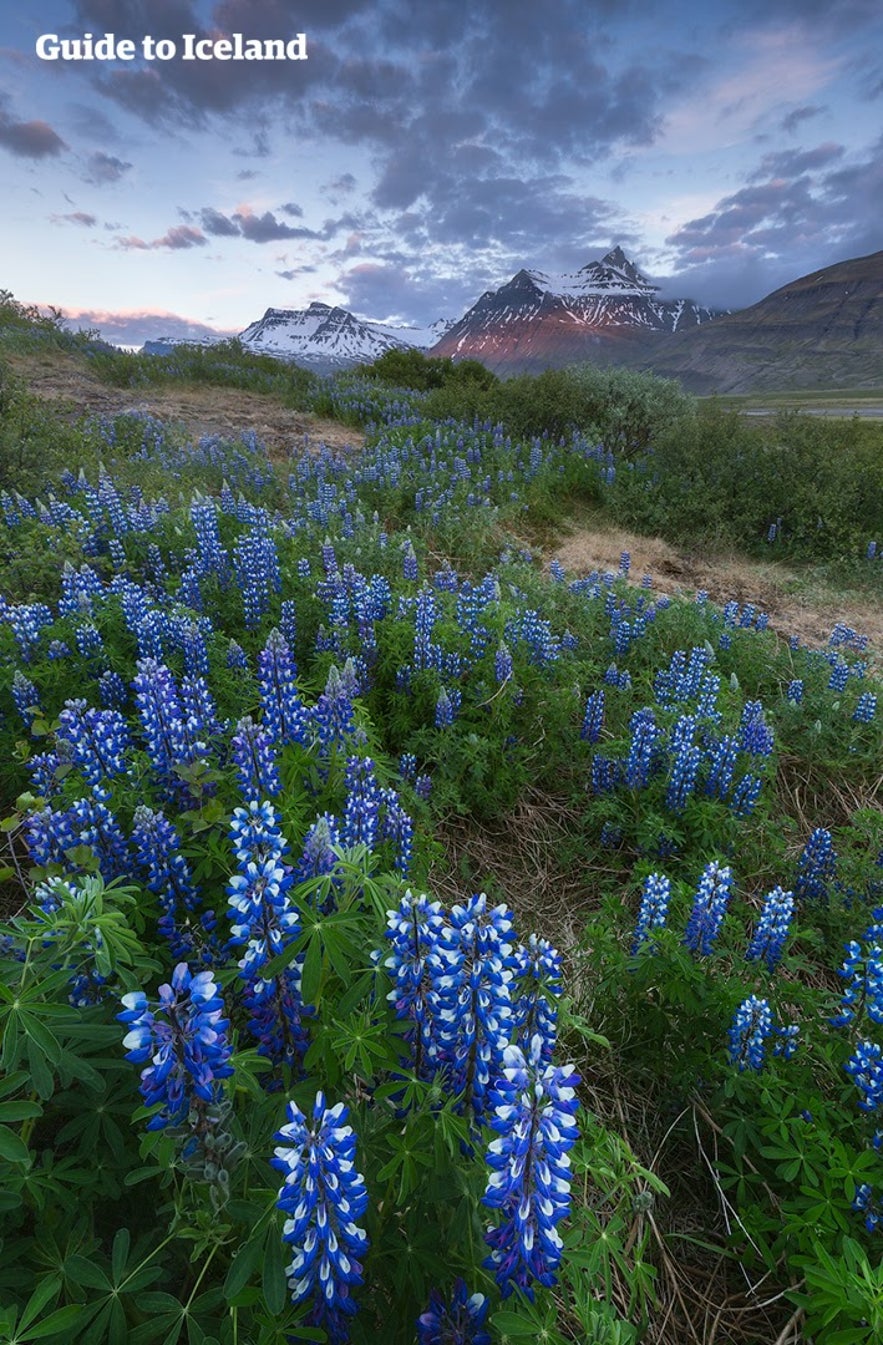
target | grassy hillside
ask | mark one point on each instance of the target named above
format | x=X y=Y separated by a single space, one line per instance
x=418 y=918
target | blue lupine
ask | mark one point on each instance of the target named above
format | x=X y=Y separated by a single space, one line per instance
x=158 y=850
x=473 y=992
x=645 y=736
x=92 y=823
x=653 y=911
x=396 y=826
x=446 y=707
x=745 y=795
x=709 y=908
x=536 y=986
x=333 y=715
x=502 y=664
x=98 y=740
x=593 y=717
x=200 y=712
x=236 y=656
x=721 y=764
x=413 y=930
x=870 y=1205
x=26 y=697
x=533 y=1108
x=112 y=690
x=317 y=855
x=866 y=708
x=458 y=1322
x=816 y=867
x=322 y=1196
x=752 y=1025
x=863 y=970
x=265 y=921
x=795 y=691
x=285 y=719
x=255 y=760
x=839 y=676
x=362 y=808
x=184 y=1037
x=755 y=735
x=772 y=928
x=865 y=1068
x=168 y=743
x=682 y=780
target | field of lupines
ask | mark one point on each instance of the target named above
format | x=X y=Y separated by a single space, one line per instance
x=282 y=1064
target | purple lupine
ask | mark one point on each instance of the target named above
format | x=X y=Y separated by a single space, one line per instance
x=184 y=1037
x=865 y=1068
x=322 y=1196
x=863 y=970
x=333 y=715
x=533 y=1109
x=362 y=808
x=709 y=908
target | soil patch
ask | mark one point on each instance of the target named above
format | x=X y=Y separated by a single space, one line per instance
x=197 y=409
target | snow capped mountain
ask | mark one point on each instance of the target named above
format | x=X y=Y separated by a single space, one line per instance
x=538 y=321
x=326 y=338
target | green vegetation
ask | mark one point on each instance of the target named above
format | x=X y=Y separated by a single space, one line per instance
x=252 y=708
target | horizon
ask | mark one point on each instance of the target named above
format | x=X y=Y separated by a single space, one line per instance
x=412 y=163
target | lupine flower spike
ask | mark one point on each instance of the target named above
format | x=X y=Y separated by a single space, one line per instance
x=458 y=1322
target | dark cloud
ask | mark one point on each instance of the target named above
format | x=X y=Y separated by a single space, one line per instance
x=76 y=217
x=180 y=236
x=295 y=272
x=246 y=175
x=27 y=139
x=218 y=224
x=799 y=115
x=292 y=208
x=793 y=163
x=104 y=168
x=267 y=229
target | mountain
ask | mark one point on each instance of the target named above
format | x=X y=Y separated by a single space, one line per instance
x=603 y=313
x=326 y=338
x=823 y=330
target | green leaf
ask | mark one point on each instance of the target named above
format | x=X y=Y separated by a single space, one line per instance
x=312 y=972
x=60 y=1320
x=120 y=1253
x=241 y=1267
x=274 y=1284
x=12 y=1147
x=510 y=1324
x=20 y=1109
x=40 y=1035
x=45 y=1291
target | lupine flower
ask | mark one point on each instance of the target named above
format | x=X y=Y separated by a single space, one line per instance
x=870 y=1205
x=472 y=1004
x=459 y=1322
x=593 y=718
x=322 y=1196
x=755 y=735
x=722 y=763
x=236 y=656
x=709 y=908
x=362 y=808
x=184 y=1038
x=772 y=928
x=446 y=707
x=795 y=691
x=266 y=922
x=682 y=781
x=751 y=1027
x=863 y=970
x=815 y=867
x=285 y=719
x=255 y=760
x=502 y=668
x=333 y=715
x=646 y=734
x=396 y=826
x=413 y=930
x=745 y=795
x=533 y=1113
x=653 y=911
x=157 y=847
x=97 y=739
x=536 y=986
x=26 y=696
x=865 y=1068
x=866 y=708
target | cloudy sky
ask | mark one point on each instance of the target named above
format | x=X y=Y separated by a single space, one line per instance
x=427 y=149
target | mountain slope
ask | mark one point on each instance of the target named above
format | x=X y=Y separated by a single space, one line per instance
x=323 y=337
x=823 y=330
x=604 y=312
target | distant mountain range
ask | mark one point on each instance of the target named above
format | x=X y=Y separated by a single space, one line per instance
x=601 y=313
x=823 y=330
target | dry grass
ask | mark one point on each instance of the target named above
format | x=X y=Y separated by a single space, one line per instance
x=62 y=378
x=726 y=578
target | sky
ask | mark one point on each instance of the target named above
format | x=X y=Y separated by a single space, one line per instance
x=426 y=150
